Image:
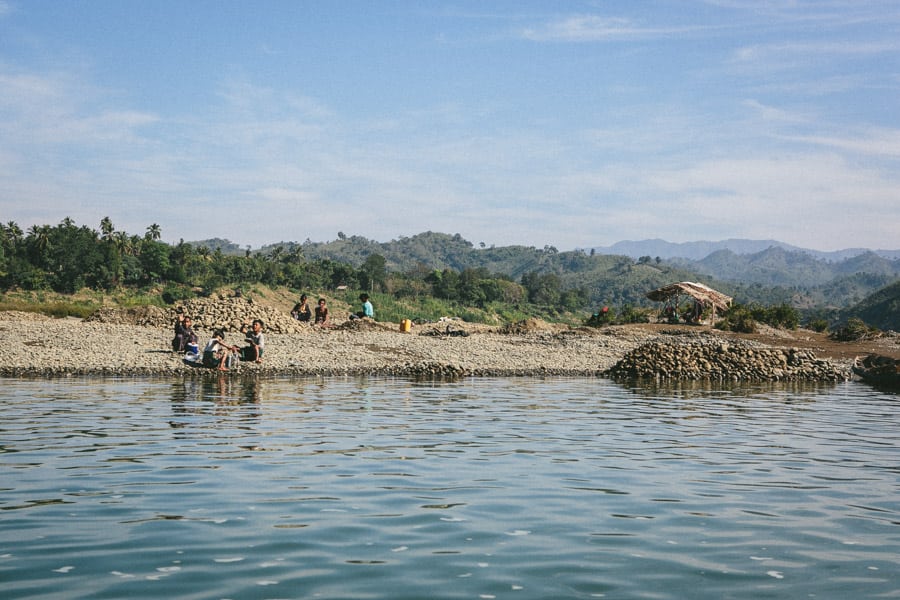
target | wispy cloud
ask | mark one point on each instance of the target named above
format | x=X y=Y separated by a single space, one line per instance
x=595 y=28
x=876 y=142
x=774 y=114
x=58 y=109
x=822 y=50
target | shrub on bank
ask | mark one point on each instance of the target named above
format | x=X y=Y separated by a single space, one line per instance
x=855 y=329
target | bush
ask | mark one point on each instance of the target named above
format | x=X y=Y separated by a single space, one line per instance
x=173 y=293
x=854 y=330
x=783 y=316
x=738 y=318
x=630 y=314
x=820 y=325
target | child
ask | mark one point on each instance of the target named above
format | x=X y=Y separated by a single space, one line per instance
x=217 y=354
x=253 y=335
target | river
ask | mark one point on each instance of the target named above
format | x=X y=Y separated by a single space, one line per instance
x=521 y=488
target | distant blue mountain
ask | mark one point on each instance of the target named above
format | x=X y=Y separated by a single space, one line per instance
x=702 y=249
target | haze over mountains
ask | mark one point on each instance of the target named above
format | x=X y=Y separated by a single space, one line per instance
x=701 y=249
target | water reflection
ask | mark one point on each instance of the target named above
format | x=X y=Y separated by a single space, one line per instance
x=718 y=389
x=220 y=397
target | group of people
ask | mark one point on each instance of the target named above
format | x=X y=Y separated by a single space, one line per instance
x=304 y=314
x=217 y=354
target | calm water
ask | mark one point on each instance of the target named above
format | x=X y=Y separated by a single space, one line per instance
x=485 y=488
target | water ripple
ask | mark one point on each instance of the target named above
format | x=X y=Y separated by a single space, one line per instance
x=487 y=488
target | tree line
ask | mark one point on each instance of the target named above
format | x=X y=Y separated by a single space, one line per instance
x=67 y=257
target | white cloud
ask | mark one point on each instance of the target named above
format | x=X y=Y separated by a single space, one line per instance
x=882 y=142
x=594 y=28
x=817 y=50
x=771 y=113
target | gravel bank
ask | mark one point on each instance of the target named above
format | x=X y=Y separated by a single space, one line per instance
x=34 y=346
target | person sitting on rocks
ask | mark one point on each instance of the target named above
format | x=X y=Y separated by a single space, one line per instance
x=367 y=309
x=322 y=314
x=253 y=335
x=301 y=310
x=184 y=335
x=217 y=354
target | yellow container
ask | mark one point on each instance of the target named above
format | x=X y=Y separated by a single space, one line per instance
x=405 y=325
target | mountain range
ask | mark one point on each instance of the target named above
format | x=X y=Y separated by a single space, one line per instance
x=701 y=249
x=762 y=271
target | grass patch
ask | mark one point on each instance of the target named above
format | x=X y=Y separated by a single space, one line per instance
x=57 y=309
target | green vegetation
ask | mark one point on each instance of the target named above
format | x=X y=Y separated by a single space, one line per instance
x=881 y=309
x=57 y=308
x=855 y=329
x=743 y=319
x=820 y=325
x=428 y=275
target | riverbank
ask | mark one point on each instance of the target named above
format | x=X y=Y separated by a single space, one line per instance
x=53 y=347
x=33 y=345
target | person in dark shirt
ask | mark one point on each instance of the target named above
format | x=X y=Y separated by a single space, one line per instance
x=184 y=333
x=301 y=310
x=322 y=314
x=254 y=336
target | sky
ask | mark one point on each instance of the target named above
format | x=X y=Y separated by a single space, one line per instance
x=572 y=124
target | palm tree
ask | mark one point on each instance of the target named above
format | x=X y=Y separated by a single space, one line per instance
x=122 y=242
x=14 y=232
x=41 y=237
x=106 y=228
x=154 y=232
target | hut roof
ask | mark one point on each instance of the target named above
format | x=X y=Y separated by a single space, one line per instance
x=698 y=291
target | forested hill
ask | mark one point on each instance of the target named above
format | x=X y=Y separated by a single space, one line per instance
x=66 y=258
x=771 y=275
x=881 y=309
x=777 y=266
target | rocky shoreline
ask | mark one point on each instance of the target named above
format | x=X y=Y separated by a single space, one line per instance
x=718 y=359
x=114 y=346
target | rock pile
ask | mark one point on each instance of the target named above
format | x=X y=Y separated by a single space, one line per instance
x=527 y=326
x=717 y=359
x=225 y=312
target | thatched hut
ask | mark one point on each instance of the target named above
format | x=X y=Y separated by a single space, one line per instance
x=700 y=296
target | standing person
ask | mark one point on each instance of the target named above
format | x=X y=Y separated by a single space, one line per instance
x=322 y=314
x=253 y=335
x=301 y=310
x=367 y=309
x=217 y=354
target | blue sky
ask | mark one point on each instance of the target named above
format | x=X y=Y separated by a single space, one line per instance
x=572 y=124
